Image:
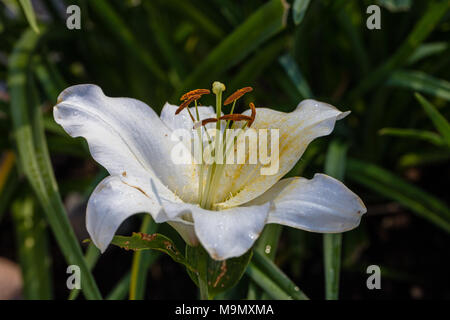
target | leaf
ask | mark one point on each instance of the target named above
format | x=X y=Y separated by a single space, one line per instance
x=91 y=257
x=188 y=9
x=428 y=136
x=430 y=19
x=28 y=10
x=139 y=266
x=332 y=243
x=427 y=49
x=299 y=10
x=266 y=283
x=293 y=71
x=119 y=292
x=396 y=5
x=439 y=120
x=423 y=158
x=267 y=245
x=219 y=275
x=120 y=30
x=33 y=249
x=258 y=63
x=420 y=81
x=267 y=21
x=34 y=158
x=392 y=187
x=266 y=274
x=142 y=241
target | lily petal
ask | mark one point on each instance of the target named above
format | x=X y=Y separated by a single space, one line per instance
x=224 y=234
x=111 y=203
x=322 y=204
x=126 y=137
x=310 y=120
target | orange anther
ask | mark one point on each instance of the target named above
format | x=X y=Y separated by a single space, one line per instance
x=195 y=92
x=236 y=117
x=204 y=122
x=236 y=95
x=252 y=106
x=187 y=102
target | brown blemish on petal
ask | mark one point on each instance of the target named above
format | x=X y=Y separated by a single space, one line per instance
x=137 y=188
x=124 y=174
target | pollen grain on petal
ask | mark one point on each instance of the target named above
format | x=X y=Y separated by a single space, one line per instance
x=236 y=95
x=195 y=92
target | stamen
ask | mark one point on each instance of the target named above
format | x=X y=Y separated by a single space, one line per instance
x=252 y=106
x=236 y=95
x=187 y=103
x=204 y=122
x=236 y=117
x=195 y=92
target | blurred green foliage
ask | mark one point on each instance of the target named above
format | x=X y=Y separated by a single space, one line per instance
x=156 y=50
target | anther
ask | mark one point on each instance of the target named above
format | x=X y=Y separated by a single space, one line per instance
x=252 y=106
x=187 y=103
x=195 y=92
x=204 y=122
x=235 y=117
x=236 y=95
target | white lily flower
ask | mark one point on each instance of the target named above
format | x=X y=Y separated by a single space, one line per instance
x=134 y=144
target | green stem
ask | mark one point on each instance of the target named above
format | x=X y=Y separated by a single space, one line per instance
x=139 y=266
x=332 y=245
x=203 y=275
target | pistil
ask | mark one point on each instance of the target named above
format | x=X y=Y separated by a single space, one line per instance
x=207 y=187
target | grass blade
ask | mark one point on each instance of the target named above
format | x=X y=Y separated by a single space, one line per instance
x=34 y=255
x=34 y=158
x=272 y=272
x=420 y=81
x=267 y=284
x=28 y=10
x=118 y=27
x=423 y=158
x=422 y=29
x=258 y=64
x=428 y=136
x=140 y=263
x=438 y=119
x=396 y=5
x=392 y=187
x=188 y=9
x=91 y=257
x=294 y=73
x=332 y=243
x=426 y=50
x=121 y=289
x=267 y=20
x=299 y=10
